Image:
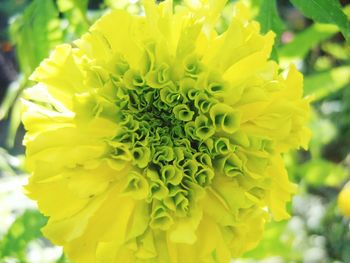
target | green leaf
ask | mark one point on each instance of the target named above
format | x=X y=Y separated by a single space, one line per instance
x=322 y=84
x=306 y=40
x=325 y=11
x=25 y=229
x=269 y=18
x=35 y=33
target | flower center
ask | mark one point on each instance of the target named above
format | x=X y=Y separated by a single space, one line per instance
x=171 y=130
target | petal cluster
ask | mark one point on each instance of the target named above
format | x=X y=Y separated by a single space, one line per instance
x=155 y=139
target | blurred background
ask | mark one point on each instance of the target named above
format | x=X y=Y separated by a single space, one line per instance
x=314 y=39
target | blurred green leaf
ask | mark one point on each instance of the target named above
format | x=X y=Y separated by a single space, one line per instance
x=323 y=132
x=66 y=5
x=10 y=6
x=307 y=40
x=35 y=33
x=325 y=11
x=322 y=84
x=320 y=172
x=131 y=6
x=15 y=121
x=276 y=241
x=75 y=12
x=337 y=50
x=24 y=229
x=5 y=165
x=13 y=103
x=10 y=96
x=337 y=233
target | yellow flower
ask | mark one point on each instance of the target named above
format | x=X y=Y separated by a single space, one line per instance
x=154 y=139
x=344 y=201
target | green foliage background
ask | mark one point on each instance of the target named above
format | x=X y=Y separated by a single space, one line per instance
x=313 y=34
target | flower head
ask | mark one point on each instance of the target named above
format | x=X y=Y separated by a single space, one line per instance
x=344 y=201
x=155 y=139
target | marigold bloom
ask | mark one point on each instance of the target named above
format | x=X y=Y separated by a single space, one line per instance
x=344 y=201
x=154 y=139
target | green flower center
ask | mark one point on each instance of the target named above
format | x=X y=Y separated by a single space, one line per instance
x=175 y=133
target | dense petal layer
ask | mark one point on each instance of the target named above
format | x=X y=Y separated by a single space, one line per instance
x=156 y=139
